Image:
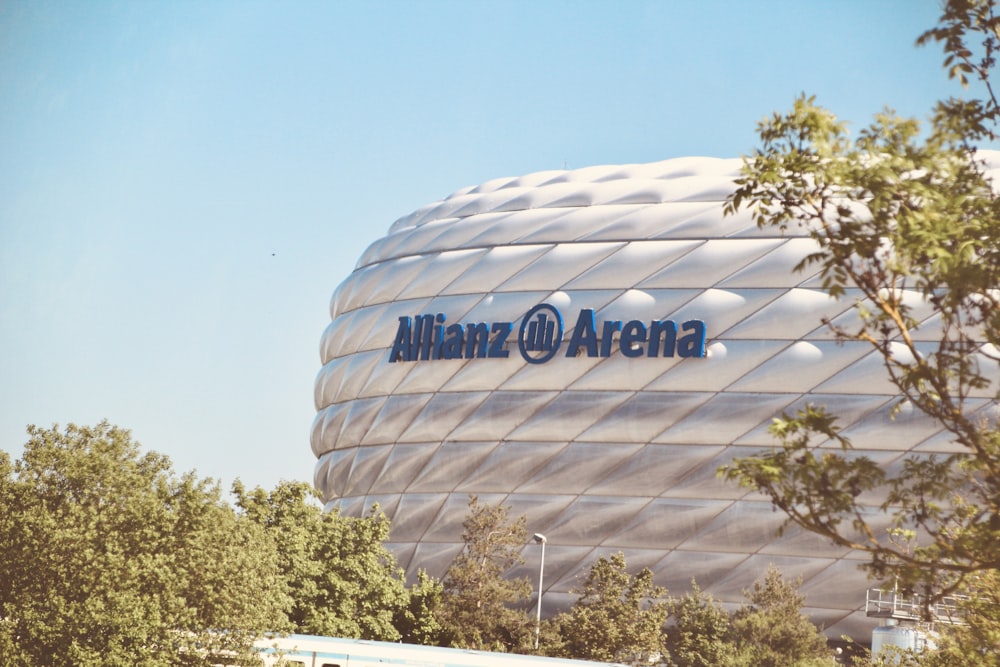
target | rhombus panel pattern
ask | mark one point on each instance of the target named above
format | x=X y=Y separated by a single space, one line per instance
x=601 y=453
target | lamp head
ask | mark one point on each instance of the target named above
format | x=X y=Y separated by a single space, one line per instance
x=540 y=538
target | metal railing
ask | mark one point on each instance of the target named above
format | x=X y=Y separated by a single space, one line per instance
x=890 y=604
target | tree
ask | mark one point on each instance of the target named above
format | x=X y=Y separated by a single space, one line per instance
x=417 y=622
x=343 y=581
x=477 y=607
x=905 y=223
x=616 y=618
x=772 y=631
x=108 y=558
x=698 y=635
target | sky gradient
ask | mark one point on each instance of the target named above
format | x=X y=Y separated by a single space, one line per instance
x=184 y=184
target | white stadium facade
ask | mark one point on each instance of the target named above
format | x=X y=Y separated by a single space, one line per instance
x=589 y=347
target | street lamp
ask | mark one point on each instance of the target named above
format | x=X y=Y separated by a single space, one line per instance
x=540 y=539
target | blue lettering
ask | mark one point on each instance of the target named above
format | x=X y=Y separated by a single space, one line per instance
x=666 y=330
x=502 y=330
x=424 y=333
x=401 y=347
x=475 y=343
x=584 y=334
x=427 y=336
x=438 y=336
x=610 y=327
x=692 y=344
x=454 y=339
x=633 y=334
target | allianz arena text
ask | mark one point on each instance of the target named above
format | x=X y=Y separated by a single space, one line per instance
x=589 y=347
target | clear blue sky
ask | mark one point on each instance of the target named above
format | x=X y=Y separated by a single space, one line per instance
x=183 y=184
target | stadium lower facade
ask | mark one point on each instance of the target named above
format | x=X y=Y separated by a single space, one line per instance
x=589 y=347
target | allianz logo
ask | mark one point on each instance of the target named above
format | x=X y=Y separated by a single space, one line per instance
x=428 y=337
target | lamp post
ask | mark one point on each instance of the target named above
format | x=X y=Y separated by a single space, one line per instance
x=540 y=539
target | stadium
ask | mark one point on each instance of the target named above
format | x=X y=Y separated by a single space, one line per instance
x=588 y=347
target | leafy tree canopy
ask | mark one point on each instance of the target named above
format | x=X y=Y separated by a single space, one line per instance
x=108 y=558
x=417 y=622
x=906 y=225
x=342 y=579
x=616 y=618
x=769 y=631
x=478 y=607
x=772 y=630
x=699 y=633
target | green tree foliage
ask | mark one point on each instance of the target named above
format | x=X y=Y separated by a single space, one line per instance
x=699 y=632
x=417 y=622
x=616 y=618
x=343 y=580
x=771 y=631
x=108 y=558
x=478 y=604
x=907 y=226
